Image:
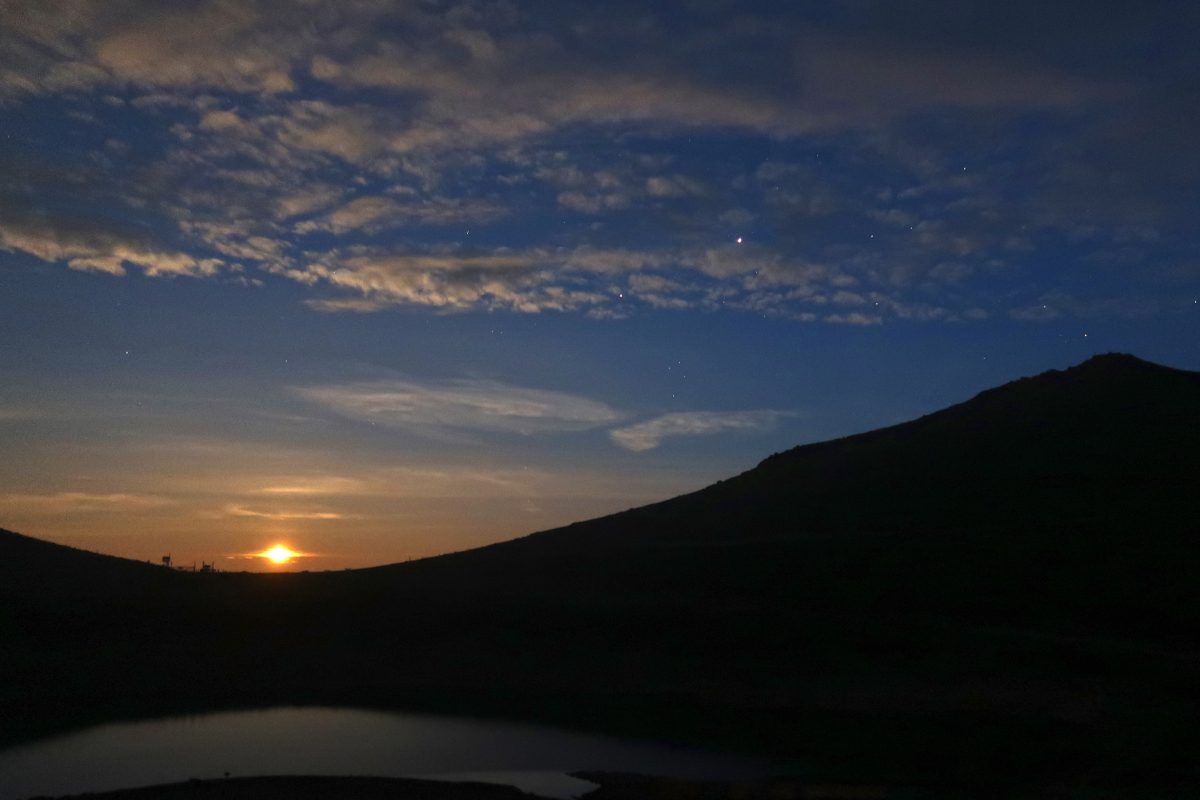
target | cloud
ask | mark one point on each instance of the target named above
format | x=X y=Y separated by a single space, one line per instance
x=306 y=485
x=339 y=305
x=617 y=186
x=355 y=133
x=216 y=44
x=74 y=502
x=242 y=511
x=312 y=198
x=558 y=279
x=90 y=246
x=854 y=318
x=375 y=213
x=612 y=284
x=306 y=139
x=236 y=241
x=475 y=478
x=651 y=433
x=518 y=100
x=222 y=121
x=673 y=186
x=594 y=203
x=480 y=78
x=518 y=281
x=19 y=414
x=461 y=405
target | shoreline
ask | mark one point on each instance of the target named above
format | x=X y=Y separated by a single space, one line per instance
x=609 y=786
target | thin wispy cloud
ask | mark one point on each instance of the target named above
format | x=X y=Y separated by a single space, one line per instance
x=243 y=511
x=373 y=214
x=305 y=485
x=598 y=281
x=19 y=414
x=652 y=433
x=474 y=478
x=73 y=502
x=461 y=405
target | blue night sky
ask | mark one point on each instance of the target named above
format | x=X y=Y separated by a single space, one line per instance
x=380 y=280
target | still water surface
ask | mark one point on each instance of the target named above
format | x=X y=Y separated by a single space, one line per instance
x=341 y=741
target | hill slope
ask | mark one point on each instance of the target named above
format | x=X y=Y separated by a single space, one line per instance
x=1002 y=590
x=1053 y=444
x=1051 y=498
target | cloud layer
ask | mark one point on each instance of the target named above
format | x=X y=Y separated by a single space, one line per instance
x=651 y=433
x=448 y=408
x=461 y=156
x=462 y=405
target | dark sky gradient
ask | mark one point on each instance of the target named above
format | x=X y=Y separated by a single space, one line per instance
x=381 y=280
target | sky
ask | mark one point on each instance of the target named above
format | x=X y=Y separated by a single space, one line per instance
x=381 y=280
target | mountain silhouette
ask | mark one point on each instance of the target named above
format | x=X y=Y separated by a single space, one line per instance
x=1053 y=444
x=1001 y=591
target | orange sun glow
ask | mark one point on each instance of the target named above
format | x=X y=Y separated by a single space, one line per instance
x=278 y=554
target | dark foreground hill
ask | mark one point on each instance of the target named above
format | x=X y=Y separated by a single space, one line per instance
x=1001 y=592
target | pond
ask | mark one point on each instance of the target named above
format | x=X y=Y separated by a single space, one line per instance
x=342 y=741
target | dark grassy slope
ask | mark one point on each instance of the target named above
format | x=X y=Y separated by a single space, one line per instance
x=1003 y=589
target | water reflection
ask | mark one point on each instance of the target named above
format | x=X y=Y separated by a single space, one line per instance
x=340 y=741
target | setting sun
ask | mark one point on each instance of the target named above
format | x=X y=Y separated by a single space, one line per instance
x=278 y=554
